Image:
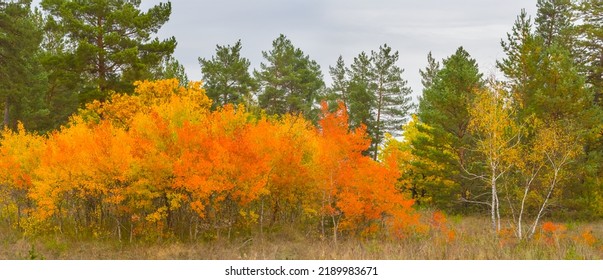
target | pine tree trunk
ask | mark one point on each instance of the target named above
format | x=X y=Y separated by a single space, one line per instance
x=6 y=111
x=378 y=134
x=101 y=67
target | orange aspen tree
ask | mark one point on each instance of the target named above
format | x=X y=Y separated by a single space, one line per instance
x=291 y=192
x=158 y=163
x=358 y=193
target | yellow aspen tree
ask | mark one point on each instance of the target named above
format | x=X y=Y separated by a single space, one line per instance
x=20 y=153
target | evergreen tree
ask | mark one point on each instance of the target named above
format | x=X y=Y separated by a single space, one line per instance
x=21 y=77
x=108 y=42
x=590 y=61
x=339 y=88
x=519 y=47
x=290 y=82
x=590 y=51
x=360 y=89
x=392 y=96
x=170 y=68
x=542 y=72
x=63 y=80
x=540 y=69
x=554 y=22
x=444 y=120
x=560 y=93
x=430 y=73
x=226 y=76
x=374 y=93
x=562 y=99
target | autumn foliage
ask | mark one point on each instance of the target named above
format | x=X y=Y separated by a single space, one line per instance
x=159 y=163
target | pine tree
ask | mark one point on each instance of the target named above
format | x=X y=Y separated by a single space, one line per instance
x=64 y=81
x=540 y=68
x=109 y=42
x=590 y=51
x=21 y=77
x=430 y=73
x=519 y=47
x=360 y=90
x=392 y=95
x=554 y=22
x=444 y=120
x=170 y=68
x=374 y=93
x=590 y=61
x=290 y=82
x=339 y=88
x=541 y=71
x=226 y=76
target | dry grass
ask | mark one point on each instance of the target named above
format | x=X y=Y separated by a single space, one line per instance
x=472 y=241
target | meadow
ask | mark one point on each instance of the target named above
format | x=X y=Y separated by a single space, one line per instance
x=472 y=240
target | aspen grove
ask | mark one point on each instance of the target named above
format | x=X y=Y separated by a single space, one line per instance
x=160 y=163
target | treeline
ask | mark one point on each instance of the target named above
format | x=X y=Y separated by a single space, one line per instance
x=520 y=147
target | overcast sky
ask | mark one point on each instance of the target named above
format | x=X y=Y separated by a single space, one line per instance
x=325 y=29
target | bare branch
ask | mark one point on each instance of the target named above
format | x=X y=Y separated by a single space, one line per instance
x=475 y=201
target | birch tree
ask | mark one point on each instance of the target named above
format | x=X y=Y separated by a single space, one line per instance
x=497 y=138
x=530 y=158
x=544 y=164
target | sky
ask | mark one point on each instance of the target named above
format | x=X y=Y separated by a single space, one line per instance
x=325 y=29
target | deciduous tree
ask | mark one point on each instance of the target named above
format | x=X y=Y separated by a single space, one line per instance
x=493 y=123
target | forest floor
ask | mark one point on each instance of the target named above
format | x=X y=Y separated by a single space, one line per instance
x=472 y=240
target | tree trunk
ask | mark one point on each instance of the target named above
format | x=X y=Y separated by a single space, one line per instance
x=520 y=218
x=118 y=223
x=494 y=200
x=544 y=203
x=377 y=126
x=262 y=219
x=6 y=111
x=334 y=229
x=101 y=67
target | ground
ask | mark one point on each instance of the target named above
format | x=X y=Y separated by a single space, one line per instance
x=471 y=239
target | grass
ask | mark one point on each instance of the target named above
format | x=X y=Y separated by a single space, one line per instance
x=472 y=240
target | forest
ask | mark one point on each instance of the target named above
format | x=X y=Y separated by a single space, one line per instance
x=109 y=151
